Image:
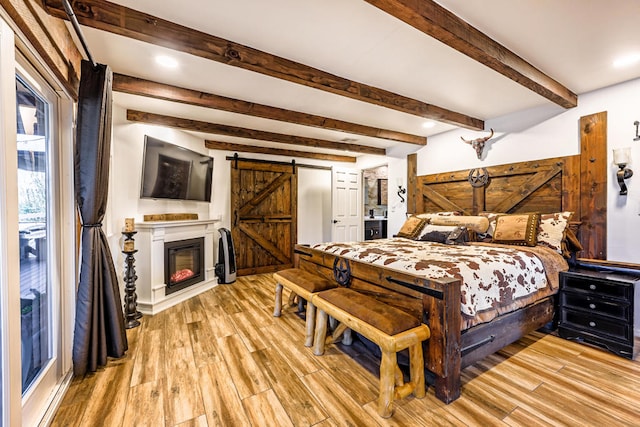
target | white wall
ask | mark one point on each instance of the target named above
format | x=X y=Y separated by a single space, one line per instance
x=552 y=132
x=314 y=185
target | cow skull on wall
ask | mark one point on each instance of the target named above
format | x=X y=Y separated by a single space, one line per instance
x=478 y=143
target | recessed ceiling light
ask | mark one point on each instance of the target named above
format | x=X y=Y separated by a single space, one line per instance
x=166 y=61
x=626 y=61
x=428 y=125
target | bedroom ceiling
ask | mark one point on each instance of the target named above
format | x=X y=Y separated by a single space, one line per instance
x=573 y=42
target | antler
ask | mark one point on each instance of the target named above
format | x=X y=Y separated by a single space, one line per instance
x=485 y=139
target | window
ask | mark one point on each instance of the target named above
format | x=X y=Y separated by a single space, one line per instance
x=33 y=210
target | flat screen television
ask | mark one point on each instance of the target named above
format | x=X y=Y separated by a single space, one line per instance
x=173 y=172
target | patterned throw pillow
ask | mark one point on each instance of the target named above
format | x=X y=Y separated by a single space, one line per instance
x=412 y=227
x=491 y=216
x=517 y=229
x=431 y=215
x=552 y=229
x=479 y=224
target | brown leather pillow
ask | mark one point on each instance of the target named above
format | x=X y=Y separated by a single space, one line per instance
x=412 y=227
x=517 y=229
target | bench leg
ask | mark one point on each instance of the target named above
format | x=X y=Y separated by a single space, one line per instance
x=278 y=306
x=416 y=362
x=387 y=384
x=347 y=337
x=321 y=332
x=310 y=323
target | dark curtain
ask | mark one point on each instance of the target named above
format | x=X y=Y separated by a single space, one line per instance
x=99 y=329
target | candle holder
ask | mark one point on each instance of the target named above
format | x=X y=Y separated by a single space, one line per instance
x=131 y=314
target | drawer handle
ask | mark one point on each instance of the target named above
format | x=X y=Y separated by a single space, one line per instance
x=592 y=324
x=592 y=306
x=592 y=287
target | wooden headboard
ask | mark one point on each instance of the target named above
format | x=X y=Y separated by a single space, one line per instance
x=549 y=185
x=545 y=186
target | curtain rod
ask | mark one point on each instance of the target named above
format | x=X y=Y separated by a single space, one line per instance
x=76 y=27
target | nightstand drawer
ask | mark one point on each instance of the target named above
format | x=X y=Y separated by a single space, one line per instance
x=597 y=325
x=596 y=306
x=600 y=287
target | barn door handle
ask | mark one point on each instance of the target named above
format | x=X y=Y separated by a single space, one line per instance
x=235 y=221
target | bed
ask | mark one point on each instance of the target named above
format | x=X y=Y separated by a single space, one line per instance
x=406 y=273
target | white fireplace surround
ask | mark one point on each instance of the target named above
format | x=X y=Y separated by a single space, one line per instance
x=150 y=240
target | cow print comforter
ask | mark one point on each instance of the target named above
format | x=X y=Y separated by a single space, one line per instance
x=496 y=279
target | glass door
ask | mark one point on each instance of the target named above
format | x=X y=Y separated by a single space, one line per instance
x=34 y=205
x=38 y=228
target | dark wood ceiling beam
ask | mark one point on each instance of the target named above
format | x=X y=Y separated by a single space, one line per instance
x=241 y=148
x=123 y=21
x=439 y=23
x=219 y=129
x=142 y=87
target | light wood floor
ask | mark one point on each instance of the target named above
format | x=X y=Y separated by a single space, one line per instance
x=222 y=359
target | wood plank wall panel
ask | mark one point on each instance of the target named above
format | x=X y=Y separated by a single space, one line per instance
x=412 y=172
x=593 y=185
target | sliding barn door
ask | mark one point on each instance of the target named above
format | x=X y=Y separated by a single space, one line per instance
x=263 y=209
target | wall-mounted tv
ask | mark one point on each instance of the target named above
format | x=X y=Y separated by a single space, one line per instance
x=172 y=172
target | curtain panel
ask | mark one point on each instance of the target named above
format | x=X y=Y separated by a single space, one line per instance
x=99 y=325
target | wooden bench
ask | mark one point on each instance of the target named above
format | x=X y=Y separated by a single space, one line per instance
x=391 y=329
x=303 y=284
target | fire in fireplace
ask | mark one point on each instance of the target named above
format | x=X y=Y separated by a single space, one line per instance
x=183 y=264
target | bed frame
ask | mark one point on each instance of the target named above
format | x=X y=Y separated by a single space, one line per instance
x=545 y=186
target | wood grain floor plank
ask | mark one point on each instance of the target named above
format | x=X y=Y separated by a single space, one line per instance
x=201 y=421
x=194 y=310
x=220 y=322
x=203 y=341
x=149 y=366
x=301 y=359
x=69 y=415
x=467 y=410
x=145 y=405
x=222 y=403
x=182 y=399
x=579 y=411
x=522 y=418
x=250 y=330
x=246 y=374
x=264 y=409
x=228 y=299
x=113 y=382
x=338 y=402
x=300 y=405
x=362 y=385
x=509 y=389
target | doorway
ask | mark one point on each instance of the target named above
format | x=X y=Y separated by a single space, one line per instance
x=375 y=190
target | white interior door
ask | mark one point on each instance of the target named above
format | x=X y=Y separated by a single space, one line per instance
x=346 y=205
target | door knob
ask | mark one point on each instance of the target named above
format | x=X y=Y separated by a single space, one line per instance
x=335 y=221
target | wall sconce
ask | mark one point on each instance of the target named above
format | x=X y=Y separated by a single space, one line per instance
x=622 y=156
x=401 y=190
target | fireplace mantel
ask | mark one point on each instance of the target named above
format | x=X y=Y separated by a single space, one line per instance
x=150 y=240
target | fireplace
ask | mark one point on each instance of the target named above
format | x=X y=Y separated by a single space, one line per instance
x=183 y=264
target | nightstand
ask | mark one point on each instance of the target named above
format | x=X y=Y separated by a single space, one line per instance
x=601 y=307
